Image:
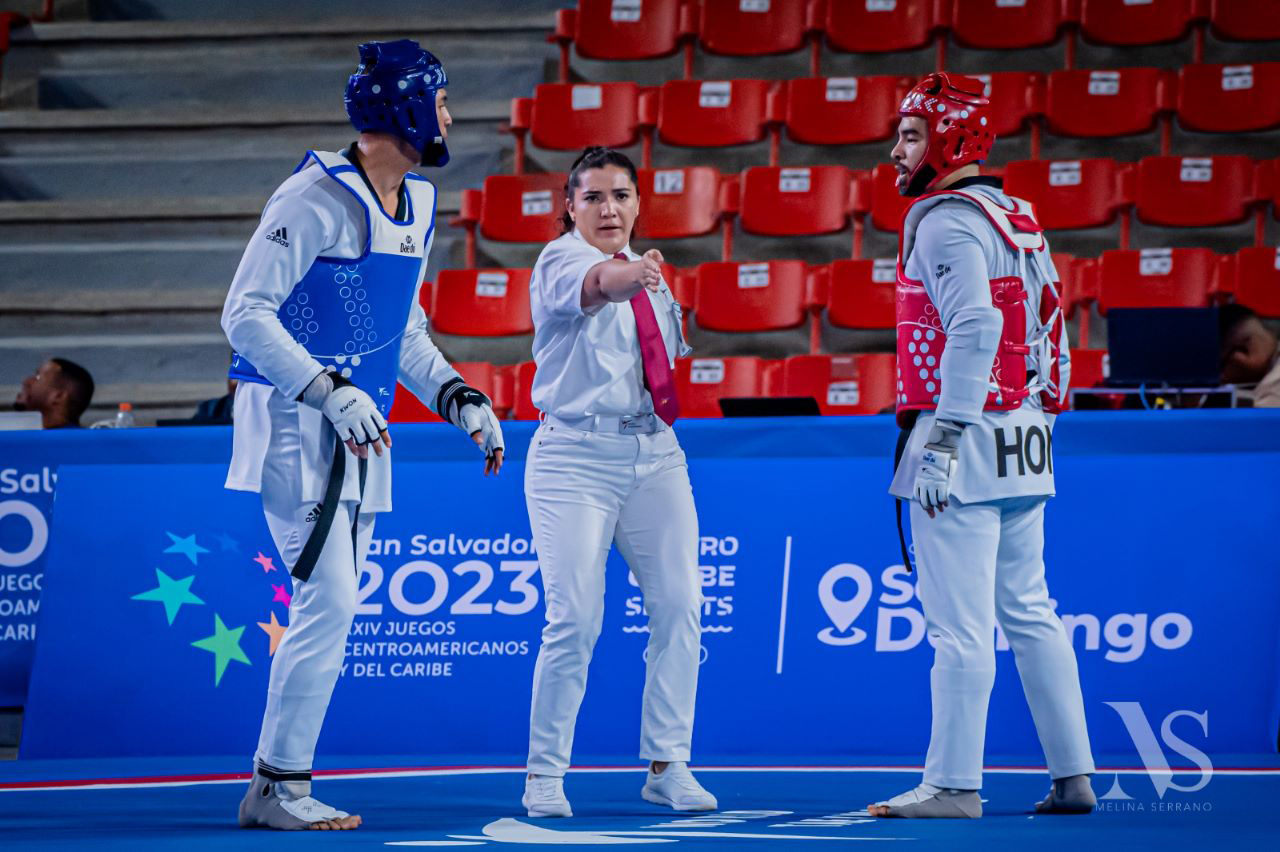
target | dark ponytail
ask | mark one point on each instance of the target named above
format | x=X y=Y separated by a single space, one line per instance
x=593 y=158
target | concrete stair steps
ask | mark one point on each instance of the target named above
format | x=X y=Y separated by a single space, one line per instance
x=179 y=273
x=118 y=348
x=54 y=270
x=128 y=176
x=299 y=84
x=178 y=297
x=157 y=209
x=428 y=13
x=245 y=25
x=145 y=276
x=151 y=400
x=213 y=116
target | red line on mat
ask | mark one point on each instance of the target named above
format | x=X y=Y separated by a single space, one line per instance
x=71 y=783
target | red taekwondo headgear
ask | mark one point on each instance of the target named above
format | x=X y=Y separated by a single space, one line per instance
x=958 y=118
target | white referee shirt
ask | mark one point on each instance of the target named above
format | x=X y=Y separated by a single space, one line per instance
x=589 y=364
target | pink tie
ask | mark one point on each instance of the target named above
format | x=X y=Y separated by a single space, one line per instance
x=653 y=355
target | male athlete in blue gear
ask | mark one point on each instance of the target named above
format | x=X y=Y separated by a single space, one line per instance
x=324 y=318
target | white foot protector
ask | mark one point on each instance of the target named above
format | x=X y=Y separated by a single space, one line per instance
x=268 y=804
x=676 y=788
x=544 y=797
x=930 y=802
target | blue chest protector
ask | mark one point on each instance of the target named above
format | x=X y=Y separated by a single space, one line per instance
x=350 y=313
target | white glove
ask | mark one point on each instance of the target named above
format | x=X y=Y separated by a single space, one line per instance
x=352 y=412
x=472 y=412
x=937 y=463
x=480 y=418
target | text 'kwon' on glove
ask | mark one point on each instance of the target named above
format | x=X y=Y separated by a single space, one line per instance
x=352 y=412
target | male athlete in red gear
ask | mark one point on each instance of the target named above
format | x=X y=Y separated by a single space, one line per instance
x=982 y=372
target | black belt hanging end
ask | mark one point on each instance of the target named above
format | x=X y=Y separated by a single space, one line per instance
x=904 y=436
x=324 y=522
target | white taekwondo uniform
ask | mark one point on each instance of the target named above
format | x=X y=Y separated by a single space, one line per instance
x=603 y=469
x=328 y=281
x=980 y=561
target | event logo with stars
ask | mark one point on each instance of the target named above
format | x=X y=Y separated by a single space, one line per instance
x=187 y=614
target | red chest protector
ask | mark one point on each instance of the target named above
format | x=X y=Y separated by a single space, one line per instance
x=921 y=339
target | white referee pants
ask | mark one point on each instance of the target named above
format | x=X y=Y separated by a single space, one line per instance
x=309 y=657
x=586 y=490
x=979 y=564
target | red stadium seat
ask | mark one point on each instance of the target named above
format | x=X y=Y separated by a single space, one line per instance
x=482 y=302
x=752 y=27
x=683 y=284
x=678 y=202
x=1156 y=278
x=1229 y=98
x=1125 y=22
x=841 y=110
x=1077 y=289
x=842 y=384
x=1194 y=191
x=521 y=386
x=860 y=293
x=512 y=208
x=887 y=204
x=702 y=382
x=522 y=208
x=481 y=375
x=570 y=116
x=1256 y=280
x=1015 y=96
x=1088 y=368
x=1069 y=193
x=750 y=296
x=606 y=29
x=630 y=29
x=1268 y=185
x=1107 y=103
x=1000 y=24
x=784 y=202
x=424 y=296
x=710 y=113
x=1245 y=20
x=1069 y=282
x=859 y=26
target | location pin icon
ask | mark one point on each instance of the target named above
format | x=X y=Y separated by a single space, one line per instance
x=841 y=610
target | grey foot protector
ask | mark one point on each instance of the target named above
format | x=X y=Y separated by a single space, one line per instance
x=263 y=806
x=944 y=804
x=1071 y=795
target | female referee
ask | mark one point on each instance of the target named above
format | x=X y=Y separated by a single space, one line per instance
x=605 y=467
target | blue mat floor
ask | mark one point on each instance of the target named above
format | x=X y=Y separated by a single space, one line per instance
x=761 y=808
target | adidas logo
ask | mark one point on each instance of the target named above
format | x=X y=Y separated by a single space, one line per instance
x=313 y=515
x=407 y=247
x=280 y=235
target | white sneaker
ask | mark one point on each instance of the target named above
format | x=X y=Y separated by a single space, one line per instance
x=676 y=788
x=544 y=797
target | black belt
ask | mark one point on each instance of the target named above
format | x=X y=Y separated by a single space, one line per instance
x=332 y=495
x=904 y=435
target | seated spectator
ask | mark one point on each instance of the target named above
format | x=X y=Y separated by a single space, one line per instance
x=60 y=390
x=1250 y=355
x=219 y=410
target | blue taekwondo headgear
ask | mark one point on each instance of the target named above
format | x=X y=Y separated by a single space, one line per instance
x=394 y=91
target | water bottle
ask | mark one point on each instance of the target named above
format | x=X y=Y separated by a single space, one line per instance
x=124 y=417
